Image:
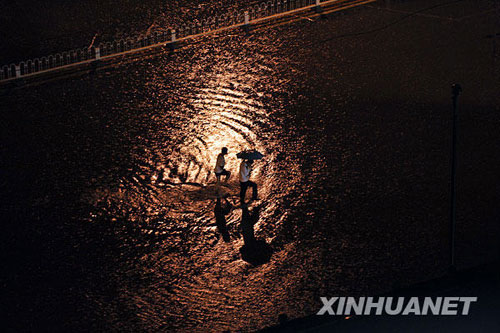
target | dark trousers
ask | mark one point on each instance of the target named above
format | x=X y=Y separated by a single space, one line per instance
x=243 y=191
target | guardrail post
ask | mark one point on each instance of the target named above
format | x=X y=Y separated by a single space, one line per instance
x=318 y=8
x=247 y=18
x=173 y=40
x=246 y=24
x=97 y=53
x=18 y=71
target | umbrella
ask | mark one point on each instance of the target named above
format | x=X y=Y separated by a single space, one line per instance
x=250 y=155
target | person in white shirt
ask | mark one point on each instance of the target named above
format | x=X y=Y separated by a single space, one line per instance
x=245 y=182
x=219 y=166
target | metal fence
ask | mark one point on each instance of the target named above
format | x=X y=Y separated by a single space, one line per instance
x=184 y=31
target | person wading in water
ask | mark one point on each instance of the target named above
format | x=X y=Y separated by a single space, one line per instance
x=219 y=166
x=245 y=182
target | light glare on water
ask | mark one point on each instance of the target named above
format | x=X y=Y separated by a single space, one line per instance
x=114 y=173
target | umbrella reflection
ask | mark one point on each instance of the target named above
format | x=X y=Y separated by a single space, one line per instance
x=254 y=251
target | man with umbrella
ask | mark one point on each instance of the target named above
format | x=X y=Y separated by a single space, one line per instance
x=245 y=170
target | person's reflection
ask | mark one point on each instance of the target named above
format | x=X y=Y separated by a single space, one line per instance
x=248 y=219
x=254 y=251
x=222 y=208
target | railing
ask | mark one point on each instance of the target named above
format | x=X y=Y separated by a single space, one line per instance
x=225 y=21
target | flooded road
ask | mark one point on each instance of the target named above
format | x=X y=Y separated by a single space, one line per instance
x=109 y=193
x=37 y=28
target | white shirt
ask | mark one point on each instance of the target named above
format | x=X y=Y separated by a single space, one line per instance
x=245 y=172
x=219 y=165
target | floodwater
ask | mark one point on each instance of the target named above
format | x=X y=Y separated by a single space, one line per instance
x=108 y=191
x=36 y=28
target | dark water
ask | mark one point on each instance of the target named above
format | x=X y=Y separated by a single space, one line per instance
x=108 y=192
x=31 y=29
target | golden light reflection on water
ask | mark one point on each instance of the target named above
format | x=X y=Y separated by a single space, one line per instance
x=170 y=194
x=224 y=118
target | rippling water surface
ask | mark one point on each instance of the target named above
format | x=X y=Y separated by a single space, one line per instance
x=109 y=182
x=39 y=28
x=184 y=111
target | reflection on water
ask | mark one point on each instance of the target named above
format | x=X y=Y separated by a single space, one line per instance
x=255 y=251
x=222 y=208
x=116 y=170
x=203 y=244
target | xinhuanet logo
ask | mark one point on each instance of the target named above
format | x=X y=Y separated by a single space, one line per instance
x=420 y=306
